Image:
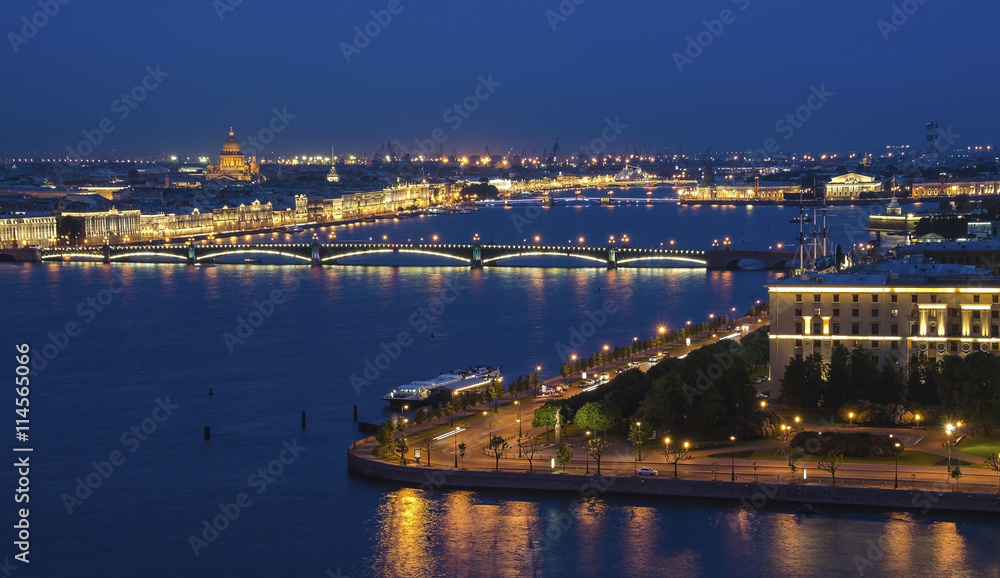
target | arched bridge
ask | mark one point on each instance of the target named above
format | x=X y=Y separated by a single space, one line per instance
x=474 y=255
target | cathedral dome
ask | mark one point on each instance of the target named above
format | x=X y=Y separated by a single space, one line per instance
x=231 y=146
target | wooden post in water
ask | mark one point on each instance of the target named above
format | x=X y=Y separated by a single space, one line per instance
x=303 y=420
x=208 y=433
x=355 y=412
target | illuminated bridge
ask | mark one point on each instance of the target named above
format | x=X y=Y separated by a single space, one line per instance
x=474 y=255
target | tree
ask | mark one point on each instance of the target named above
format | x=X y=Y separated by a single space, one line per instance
x=402 y=448
x=863 y=369
x=594 y=416
x=831 y=462
x=384 y=435
x=802 y=384
x=564 y=455
x=596 y=448
x=993 y=463
x=461 y=453
x=956 y=473
x=426 y=443
x=497 y=448
x=675 y=454
x=838 y=389
x=528 y=444
x=545 y=416
x=638 y=433
x=755 y=469
x=922 y=377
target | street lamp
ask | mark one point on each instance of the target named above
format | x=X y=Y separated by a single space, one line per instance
x=538 y=370
x=638 y=427
x=635 y=342
x=850 y=416
x=763 y=404
x=918 y=420
x=585 y=448
x=486 y=413
x=732 y=456
x=949 y=428
x=457 y=429
x=572 y=358
x=402 y=409
x=517 y=404
x=604 y=357
x=662 y=331
x=895 y=484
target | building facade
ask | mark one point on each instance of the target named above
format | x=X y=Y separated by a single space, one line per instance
x=95 y=228
x=899 y=309
x=955 y=188
x=851 y=186
x=19 y=232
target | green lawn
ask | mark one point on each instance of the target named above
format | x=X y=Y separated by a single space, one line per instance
x=980 y=446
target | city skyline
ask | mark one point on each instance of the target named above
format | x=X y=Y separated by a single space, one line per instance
x=729 y=75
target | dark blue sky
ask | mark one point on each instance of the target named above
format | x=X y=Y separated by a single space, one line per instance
x=605 y=60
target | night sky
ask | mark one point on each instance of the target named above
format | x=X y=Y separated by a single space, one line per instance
x=233 y=65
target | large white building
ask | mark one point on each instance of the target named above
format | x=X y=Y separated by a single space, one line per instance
x=851 y=186
x=898 y=309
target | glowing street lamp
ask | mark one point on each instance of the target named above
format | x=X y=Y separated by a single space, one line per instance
x=572 y=358
x=587 y=453
x=895 y=485
x=604 y=357
x=732 y=457
x=918 y=420
x=850 y=416
x=949 y=429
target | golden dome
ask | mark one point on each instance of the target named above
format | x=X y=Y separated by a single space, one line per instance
x=231 y=146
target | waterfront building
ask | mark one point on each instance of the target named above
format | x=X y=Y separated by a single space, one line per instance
x=252 y=217
x=232 y=165
x=894 y=220
x=944 y=188
x=729 y=191
x=898 y=308
x=18 y=232
x=91 y=228
x=852 y=186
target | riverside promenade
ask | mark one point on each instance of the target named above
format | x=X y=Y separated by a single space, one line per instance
x=708 y=474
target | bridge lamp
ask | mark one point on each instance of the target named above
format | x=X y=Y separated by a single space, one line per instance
x=537 y=238
x=581 y=240
x=435 y=237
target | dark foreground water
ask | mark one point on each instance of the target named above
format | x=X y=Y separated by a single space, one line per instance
x=150 y=340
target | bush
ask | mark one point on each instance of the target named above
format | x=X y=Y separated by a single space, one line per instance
x=856 y=445
x=756 y=425
x=892 y=414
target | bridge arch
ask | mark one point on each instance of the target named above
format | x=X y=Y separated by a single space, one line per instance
x=663 y=258
x=396 y=250
x=544 y=253
x=244 y=251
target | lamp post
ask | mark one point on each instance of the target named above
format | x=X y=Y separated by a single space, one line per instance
x=485 y=414
x=732 y=457
x=604 y=357
x=456 y=446
x=949 y=428
x=517 y=404
x=850 y=416
x=538 y=370
x=895 y=484
x=572 y=359
x=635 y=343
x=402 y=409
x=585 y=448
x=662 y=331
x=638 y=427
x=918 y=421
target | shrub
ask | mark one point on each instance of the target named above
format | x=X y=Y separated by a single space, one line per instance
x=856 y=444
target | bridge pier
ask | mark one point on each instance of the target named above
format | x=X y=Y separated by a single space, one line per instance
x=191 y=257
x=612 y=259
x=314 y=256
x=106 y=251
x=477 y=256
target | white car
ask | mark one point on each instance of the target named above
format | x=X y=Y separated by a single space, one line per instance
x=646 y=472
x=653 y=360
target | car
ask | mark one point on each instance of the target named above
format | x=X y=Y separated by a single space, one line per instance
x=646 y=472
x=653 y=360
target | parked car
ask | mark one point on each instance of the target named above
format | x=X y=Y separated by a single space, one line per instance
x=653 y=360
x=646 y=472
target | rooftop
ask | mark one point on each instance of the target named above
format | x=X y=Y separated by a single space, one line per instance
x=906 y=273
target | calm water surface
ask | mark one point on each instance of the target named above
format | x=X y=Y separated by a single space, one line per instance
x=162 y=337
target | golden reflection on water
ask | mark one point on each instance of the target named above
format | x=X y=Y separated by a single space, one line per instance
x=454 y=535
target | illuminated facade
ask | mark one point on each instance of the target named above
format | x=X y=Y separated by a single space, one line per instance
x=953 y=189
x=851 y=186
x=113 y=226
x=232 y=166
x=899 y=309
x=739 y=192
x=21 y=231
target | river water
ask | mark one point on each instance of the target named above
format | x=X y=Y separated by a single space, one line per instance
x=122 y=477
